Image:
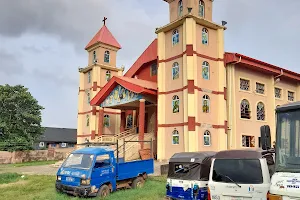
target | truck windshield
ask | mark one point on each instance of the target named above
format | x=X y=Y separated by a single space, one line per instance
x=79 y=161
x=288 y=142
x=236 y=171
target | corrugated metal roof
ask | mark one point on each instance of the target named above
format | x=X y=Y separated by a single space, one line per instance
x=59 y=135
x=148 y=55
x=143 y=83
x=104 y=36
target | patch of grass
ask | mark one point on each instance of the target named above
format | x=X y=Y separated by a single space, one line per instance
x=9 y=178
x=43 y=188
x=33 y=163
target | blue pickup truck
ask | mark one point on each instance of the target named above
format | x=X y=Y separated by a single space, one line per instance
x=94 y=171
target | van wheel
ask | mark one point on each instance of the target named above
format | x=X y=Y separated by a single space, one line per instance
x=138 y=183
x=103 y=191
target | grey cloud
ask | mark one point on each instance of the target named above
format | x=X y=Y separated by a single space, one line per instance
x=59 y=79
x=10 y=63
x=35 y=49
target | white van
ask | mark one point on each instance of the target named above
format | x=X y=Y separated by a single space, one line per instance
x=240 y=175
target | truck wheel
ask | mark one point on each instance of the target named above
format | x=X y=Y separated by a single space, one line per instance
x=103 y=191
x=137 y=183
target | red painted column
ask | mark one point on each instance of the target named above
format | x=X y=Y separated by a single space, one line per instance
x=123 y=122
x=142 y=121
x=100 y=121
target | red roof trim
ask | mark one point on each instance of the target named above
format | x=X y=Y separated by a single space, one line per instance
x=257 y=64
x=150 y=54
x=112 y=83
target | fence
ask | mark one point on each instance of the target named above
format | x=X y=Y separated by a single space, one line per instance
x=28 y=156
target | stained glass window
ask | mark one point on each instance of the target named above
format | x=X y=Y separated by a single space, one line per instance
x=129 y=121
x=175 y=138
x=175 y=104
x=206 y=138
x=244 y=84
x=291 y=96
x=277 y=93
x=206 y=104
x=260 y=111
x=201 y=8
x=260 y=88
x=88 y=98
x=108 y=75
x=154 y=69
x=175 y=71
x=89 y=76
x=87 y=120
x=106 y=121
x=248 y=141
x=94 y=57
x=106 y=56
x=204 y=36
x=175 y=37
x=205 y=70
x=180 y=8
x=245 y=109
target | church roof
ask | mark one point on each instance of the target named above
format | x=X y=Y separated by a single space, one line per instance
x=135 y=85
x=258 y=65
x=104 y=36
x=148 y=55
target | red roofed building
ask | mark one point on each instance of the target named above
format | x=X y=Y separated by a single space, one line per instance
x=184 y=91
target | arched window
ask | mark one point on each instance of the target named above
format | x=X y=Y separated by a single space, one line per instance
x=175 y=104
x=87 y=120
x=89 y=76
x=245 y=109
x=205 y=70
x=94 y=57
x=205 y=36
x=175 y=71
x=175 y=137
x=206 y=138
x=106 y=56
x=88 y=97
x=129 y=121
x=260 y=111
x=201 y=8
x=175 y=37
x=106 y=121
x=108 y=75
x=206 y=104
x=180 y=8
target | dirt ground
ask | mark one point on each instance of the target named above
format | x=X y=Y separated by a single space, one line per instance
x=51 y=170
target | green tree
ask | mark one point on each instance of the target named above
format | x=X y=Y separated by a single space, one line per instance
x=20 y=118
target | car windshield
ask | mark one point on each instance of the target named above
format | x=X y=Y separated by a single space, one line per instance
x=79 y=161
x=237 y=171
x=288 y=142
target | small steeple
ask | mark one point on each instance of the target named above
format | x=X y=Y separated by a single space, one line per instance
x=104 y=36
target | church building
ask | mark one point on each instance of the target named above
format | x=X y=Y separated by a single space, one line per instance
x=183 y=92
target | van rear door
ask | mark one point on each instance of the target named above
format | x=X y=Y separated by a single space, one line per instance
x=238 y=179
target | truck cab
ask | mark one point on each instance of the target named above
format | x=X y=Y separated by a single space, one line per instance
x=94 y=171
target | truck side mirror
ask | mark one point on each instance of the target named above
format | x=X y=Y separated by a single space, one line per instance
x=265 y=137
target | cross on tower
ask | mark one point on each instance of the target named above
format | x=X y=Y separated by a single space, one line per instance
x=104 y=20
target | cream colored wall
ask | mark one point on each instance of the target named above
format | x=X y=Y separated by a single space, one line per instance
x=169 y=148
x=177 y=48
x=194 y=4
x=286 y=86
x=212 y=48
x=100 y=50
x=251 y=127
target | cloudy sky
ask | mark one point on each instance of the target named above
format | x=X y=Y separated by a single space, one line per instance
x=42 y=41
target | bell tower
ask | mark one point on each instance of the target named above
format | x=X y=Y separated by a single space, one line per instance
x=102 y=52
x=191 y=80
x=200 y=8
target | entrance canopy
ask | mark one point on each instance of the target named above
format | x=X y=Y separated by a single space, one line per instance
x=125 y=93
